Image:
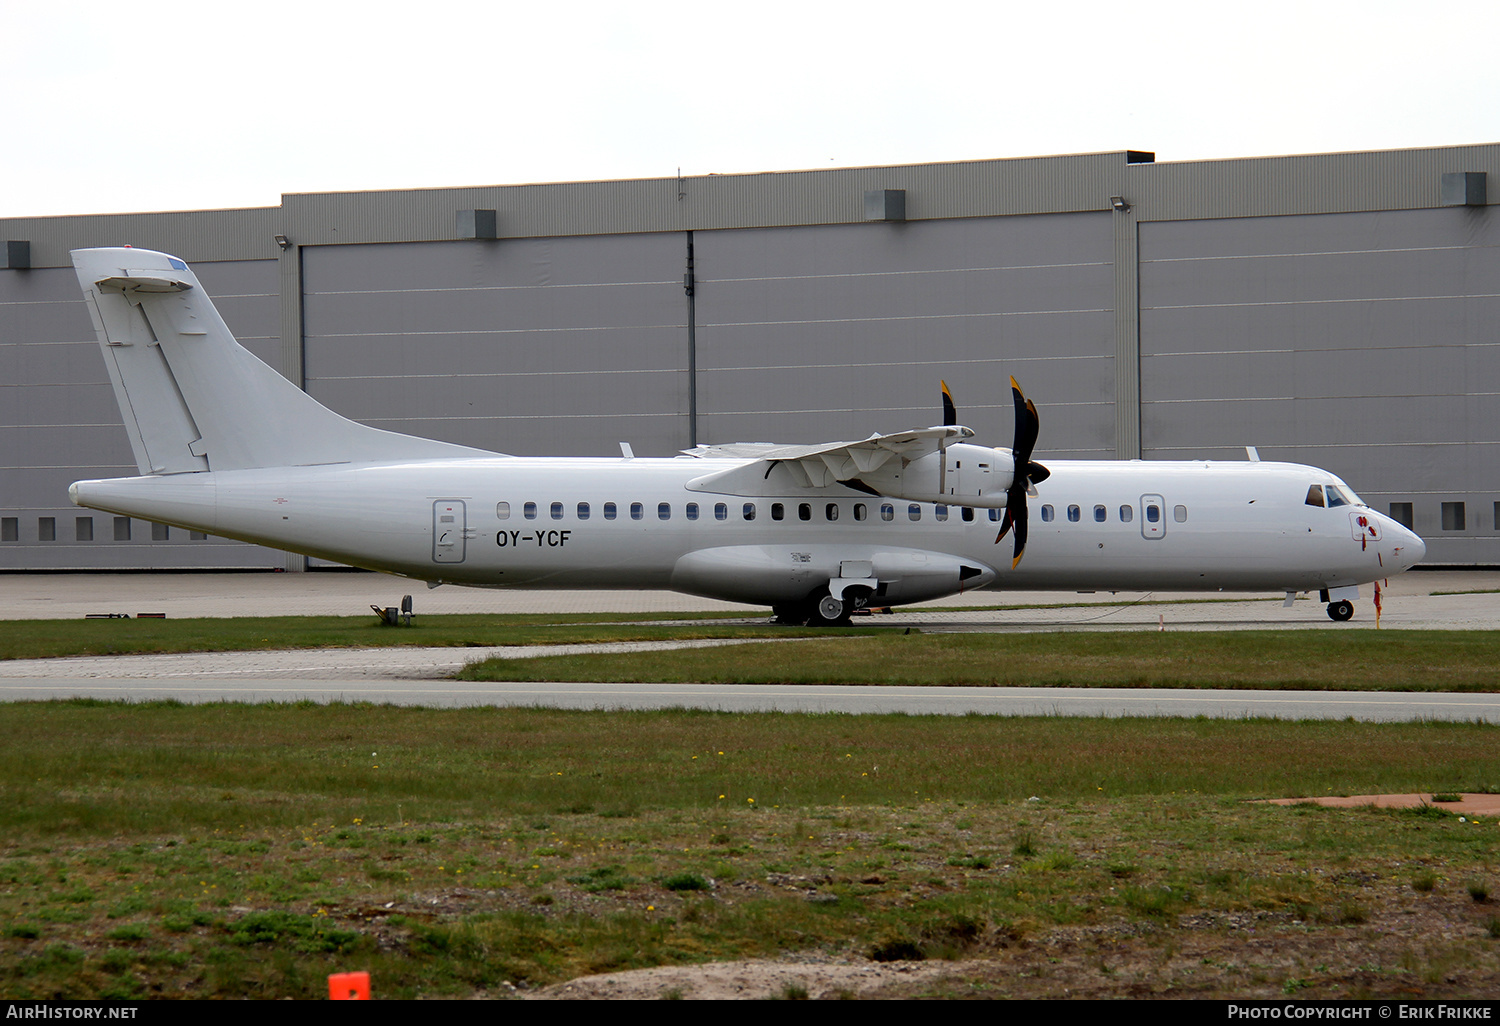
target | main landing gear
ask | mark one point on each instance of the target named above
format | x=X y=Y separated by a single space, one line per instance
x=823 y=611
x=1341 y=610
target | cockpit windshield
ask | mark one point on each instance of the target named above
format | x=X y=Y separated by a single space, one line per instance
x=1341 y=495
x=1335 y=494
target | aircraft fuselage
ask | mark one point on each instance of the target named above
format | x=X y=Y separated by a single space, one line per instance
x=637 y=523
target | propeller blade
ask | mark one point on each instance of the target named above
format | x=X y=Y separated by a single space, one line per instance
x=1025 y=474
x=950 y=412
x=1020 y=517
x=1005 y=522
x=1027 y=424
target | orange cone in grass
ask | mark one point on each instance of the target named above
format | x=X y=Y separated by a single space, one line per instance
x=349 y=987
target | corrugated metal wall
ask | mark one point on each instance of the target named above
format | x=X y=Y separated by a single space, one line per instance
x=832 y=332
x=1364 y=343
x=558 y=346
x=1326 y=308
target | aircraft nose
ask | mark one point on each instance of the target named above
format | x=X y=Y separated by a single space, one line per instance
x=1409 y=549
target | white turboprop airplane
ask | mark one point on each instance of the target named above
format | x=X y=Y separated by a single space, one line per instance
x=227 y=446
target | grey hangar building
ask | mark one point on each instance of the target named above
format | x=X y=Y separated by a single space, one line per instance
x=1340 y=310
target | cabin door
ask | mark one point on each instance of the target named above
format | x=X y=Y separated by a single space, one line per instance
x=448 y=528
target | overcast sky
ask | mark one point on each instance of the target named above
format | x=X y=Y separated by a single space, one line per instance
x=119 y=107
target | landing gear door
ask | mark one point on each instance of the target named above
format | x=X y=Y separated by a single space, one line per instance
x=449 y=521
x=1153 y=517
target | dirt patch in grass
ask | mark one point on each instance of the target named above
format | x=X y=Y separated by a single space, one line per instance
x=1412 y=948
x=1467 y=804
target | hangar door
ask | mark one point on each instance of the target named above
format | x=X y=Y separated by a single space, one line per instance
x=552 y=346
x=822 y=332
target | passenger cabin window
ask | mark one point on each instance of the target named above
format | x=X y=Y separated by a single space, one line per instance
x=721 y=511
x=1127 y=514
x=1153 y=514
x=502 y=510
x=1047 y=513
x=967 y=512
x=529 y=510
x=692 y=511
x=778 y=511
x=995 y=516
x=664 y=511
x=831 y=511
x=914 y=512
x=1179 y=514
x=609 y=511
x=749 y=511
x=804 y=511
x=941 y=513
x=1100 y=514
x=1073 y=514
x=1315 y=495
x=887 y=511
x=637 y=511
x=583 y=511
x=859 y=511
x=557 y=511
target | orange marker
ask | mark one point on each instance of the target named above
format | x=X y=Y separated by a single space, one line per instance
x=349 y=987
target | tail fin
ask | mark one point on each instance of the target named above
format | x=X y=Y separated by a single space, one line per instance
x=193 y=398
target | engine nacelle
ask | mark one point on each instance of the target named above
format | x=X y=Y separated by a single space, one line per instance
x=963 y=475
x=784 y=573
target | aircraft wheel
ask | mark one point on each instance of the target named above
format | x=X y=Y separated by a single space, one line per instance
x=830 y=612
x=1341 y=610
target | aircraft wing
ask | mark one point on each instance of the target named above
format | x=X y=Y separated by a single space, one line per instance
x=816 y=466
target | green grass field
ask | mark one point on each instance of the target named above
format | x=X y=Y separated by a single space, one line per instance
x=231 y=850
x=159 y=849
x=1321 y=660
x=868 y=654
x=42 y=639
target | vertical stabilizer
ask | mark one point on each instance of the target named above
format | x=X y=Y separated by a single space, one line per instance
x=193 y=398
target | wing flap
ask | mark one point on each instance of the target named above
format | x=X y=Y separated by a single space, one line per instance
x=819 y=466
x=874 y=450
